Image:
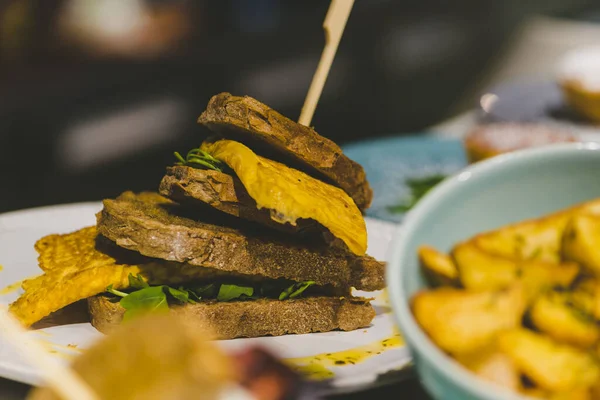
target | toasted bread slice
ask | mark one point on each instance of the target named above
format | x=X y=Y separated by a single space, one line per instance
x=225 y=193
x=156 y=227
x=254 y=318
x=249 y=120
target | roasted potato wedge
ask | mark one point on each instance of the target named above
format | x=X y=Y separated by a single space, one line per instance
x=538 y=276
x=438 y=268
x=532 y=240
x=585 y=295
x=551 y=366
x=461 y=322
x=536 y=239
x=479 y=270
x=493 y=366
x=579 y=394
x=554 y=314
x=581 y=242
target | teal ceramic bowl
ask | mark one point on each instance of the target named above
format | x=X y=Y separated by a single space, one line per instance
x=487 y=195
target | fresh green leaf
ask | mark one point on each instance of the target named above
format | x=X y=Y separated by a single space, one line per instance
x=110 y=289
x=192 y=296
x=206 y=291
x=301 y=287
x=143 y=301
x=137 y=282
x=229 y=292
x=180 y=295
x=198 y=158
x=419 y=188
x=295 y=290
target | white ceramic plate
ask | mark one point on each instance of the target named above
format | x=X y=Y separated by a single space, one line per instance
x=20 y=230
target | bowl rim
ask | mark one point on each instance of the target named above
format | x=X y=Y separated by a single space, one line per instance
x=399 y=302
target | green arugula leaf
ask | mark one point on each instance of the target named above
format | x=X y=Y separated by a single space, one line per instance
x=192 y=296
x=110 y=289
x=295 y=290
x=137 y=282
x=230 y=292
x=180 y=295
x=301 y=287
x=197 y=158
x=419 y=188
x=143 y=301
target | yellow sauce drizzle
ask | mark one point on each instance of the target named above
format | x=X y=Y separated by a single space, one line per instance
x=11 y=288
x=316 y=367
x=1 y=267
x=67 y=352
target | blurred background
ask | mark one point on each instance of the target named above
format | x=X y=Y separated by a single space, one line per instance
x=95 y=95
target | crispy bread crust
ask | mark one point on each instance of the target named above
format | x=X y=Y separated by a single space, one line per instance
x=155 y=227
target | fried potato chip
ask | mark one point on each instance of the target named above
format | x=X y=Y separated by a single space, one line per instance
x=87 y=273
x=553 y=315
x=536 y=239
x=462 y=322
x=581 y=242
x=66 y=251
x=52 y=291
x=550 y=365
x=439 y=269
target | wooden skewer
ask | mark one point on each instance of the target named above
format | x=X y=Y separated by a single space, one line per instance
x=335 y=22
x=63 y=380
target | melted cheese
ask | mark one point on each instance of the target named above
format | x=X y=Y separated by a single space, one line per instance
x=291 y=194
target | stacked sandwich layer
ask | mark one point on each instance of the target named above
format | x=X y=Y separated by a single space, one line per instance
x=257 y=232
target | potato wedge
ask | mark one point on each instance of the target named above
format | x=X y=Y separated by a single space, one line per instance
x=579 y=394
x=538 y=276
x=461 y=322
x=586 y=296
x=550 y=365
x=581 y=242
x=479 y=270
x=532 y=240
x=438 y=268
x=493 y=366
x=535 y=239
x=553 y=315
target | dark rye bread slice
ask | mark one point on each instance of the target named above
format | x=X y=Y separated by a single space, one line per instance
x=156 y=227
x=249 y=119
x=254 y=318
x=226 y=193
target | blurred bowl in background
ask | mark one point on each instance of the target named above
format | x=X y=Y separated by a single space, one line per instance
x=501 y=190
